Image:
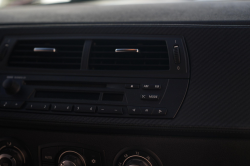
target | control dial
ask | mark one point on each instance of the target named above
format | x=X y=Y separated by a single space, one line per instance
x=11 y=86
x=71 y=158
x=135 y=157
x=11 y=157
x=137 y=162
x=12 y=153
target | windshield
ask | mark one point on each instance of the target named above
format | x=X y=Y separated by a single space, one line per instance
x=9 y=3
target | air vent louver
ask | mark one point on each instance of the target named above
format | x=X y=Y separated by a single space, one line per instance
x=151 y=55
x=67 y=56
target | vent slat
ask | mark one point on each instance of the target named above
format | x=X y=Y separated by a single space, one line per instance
x=31 y=57
x=59 y=51
x=67 y=56
x=152 y=55
x=39 y=63
x=47 y=45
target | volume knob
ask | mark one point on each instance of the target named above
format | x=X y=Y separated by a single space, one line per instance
x=11 y=86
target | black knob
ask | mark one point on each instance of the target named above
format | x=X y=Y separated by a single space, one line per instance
x=11 y=86
x=71 y=158
x=137 y=162
x=11 y=157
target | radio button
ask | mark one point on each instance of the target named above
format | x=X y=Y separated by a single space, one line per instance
x=109 y=110
x=151 y=86
x=160 y=111
x=38 y=106
x=132 y=86
x=146 y=86
x=146 y=110
x=49 y=154
x=134 y=110
x=5 y=104
x=157 y=86
x=61 y=107
x=16 y=104
x=150 y=97
x=85 y=108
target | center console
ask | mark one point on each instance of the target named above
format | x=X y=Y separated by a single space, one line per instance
x=84 y=76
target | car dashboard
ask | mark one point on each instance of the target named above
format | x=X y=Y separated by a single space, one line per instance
x=125 y=85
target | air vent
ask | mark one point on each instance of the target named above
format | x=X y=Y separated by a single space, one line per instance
x=47 y=54
x=128 y=55
x=4 y=51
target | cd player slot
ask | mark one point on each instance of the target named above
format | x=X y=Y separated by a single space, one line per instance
x=68 y=95
x=65 y=84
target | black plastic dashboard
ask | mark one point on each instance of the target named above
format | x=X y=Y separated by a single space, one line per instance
x=211 y=96
x=215 y=82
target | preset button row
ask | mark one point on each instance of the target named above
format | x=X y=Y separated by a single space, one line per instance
x=77 y=108
x=84 y=108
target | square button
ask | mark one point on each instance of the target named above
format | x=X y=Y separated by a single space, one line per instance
x=146 y=110
x=16 y=104
x=109 y=110
x=38 y=106
x=160 y=111
x=134 y=110
x=5 y=104
x=61 y=107
x=132 y=86
x=85 y=108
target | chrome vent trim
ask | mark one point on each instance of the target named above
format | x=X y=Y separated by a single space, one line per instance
x=47 y=54
x=146 y=55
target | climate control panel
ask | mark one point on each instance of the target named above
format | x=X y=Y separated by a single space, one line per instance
x=14 y=153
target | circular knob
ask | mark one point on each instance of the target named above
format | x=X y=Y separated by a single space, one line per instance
x=136 y=157
x=11 y=157
x=71 y=158
x=11 y=86
x=137 y=162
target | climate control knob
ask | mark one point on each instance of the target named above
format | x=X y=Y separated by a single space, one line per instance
x=136 y=157
x=11 y=157
x=137 y=162
x=12 y=153
x=71 y=158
